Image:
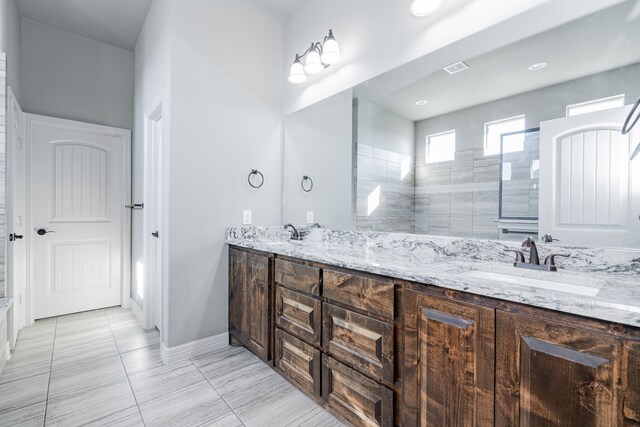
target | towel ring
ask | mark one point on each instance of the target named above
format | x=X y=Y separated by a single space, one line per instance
x=309 y=187
x=628 y=124
x=255 y=172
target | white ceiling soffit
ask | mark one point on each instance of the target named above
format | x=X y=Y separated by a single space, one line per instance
x=115 y=22
x=280 y=7
x=600 y=42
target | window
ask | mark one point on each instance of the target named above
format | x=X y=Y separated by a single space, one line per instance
x=595 y=105
x=493 y=135
x=441 y=147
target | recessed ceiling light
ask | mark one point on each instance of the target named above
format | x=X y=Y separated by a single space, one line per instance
x=537 y=66
x=421 y=102
x=425 y=7
x=456 y=67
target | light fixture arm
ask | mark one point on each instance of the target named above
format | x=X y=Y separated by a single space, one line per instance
x=314 y=46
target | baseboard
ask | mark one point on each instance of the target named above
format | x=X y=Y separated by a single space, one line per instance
x=194 y=348
x=5 y=355
x=137 y=311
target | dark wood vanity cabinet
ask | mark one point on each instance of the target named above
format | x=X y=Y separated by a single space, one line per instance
x=559 y=373
x=250 y=295
x=382 y=352
x=448 y=362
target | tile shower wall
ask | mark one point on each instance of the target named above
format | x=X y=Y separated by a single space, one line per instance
x=384 y=145
x=3 y=157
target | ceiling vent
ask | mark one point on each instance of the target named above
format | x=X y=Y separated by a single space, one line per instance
x=456 y=67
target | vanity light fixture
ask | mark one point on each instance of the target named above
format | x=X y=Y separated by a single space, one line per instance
x=421 y=102
x=425 y=7
x=538 y=66
x=317 y=58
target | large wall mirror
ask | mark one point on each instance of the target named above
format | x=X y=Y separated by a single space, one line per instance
x=520 y=140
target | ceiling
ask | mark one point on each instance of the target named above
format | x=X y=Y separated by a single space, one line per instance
x=596 y=43
x=115 y=22
x=281 y=7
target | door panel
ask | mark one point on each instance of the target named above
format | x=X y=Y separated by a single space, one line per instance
x=257 y=306
x=587 y=190
x=360 y=400
x=237 y=280
x=359 y=341
x=299 y=315
x=449 y=362
x=298 y=362
x=550 y=374
x=77 y=194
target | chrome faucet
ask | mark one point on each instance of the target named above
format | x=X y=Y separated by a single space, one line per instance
x=294 y=232
x=534 y=258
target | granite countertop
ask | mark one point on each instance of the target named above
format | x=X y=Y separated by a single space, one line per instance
x=5 y=305
x=595 y=293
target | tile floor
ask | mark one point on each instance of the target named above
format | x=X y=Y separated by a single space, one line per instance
x=101 y=368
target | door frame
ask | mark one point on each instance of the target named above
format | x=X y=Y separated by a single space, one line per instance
x=19 y=319
x=125 y=137
x=153 y=210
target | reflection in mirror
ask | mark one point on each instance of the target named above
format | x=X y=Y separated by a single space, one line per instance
x=459 y=154
x=317 y=144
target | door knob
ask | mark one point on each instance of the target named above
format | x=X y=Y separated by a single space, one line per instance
x=14 y=237
x=156 y=234
x=43 y=231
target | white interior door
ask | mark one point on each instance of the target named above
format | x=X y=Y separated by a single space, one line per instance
x=153 y=219
x=78 y=185
x=16 y=214
x=589 y=189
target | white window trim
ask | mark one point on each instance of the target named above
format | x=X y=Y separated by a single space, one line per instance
x=496 y=122
x=428 y=140
x=595 y=101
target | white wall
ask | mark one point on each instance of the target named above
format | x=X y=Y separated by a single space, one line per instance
x=152 y=68
x=378 y=36
x=318 y=143
x=226 y=93
x=73 y=77
x=10 y=42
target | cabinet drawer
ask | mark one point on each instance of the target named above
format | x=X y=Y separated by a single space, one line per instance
x=372 y=296
x=298 y=276
x=359 y=341
x=299 y=315
x=298 y=362
x=358 y=399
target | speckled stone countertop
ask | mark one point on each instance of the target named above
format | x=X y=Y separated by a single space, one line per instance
x=5 y=305
x=597 y=283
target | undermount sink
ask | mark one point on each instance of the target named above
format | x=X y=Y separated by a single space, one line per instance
x=555 y=285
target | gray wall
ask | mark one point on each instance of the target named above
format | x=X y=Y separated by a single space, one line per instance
x=11 y=44
x=3 y=187
x=385 y=141
x=318 y=144
x=72 y=77
x=460 y=197
x=225 y=120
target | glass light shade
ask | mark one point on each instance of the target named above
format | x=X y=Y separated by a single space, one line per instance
x=313 y=65
x=425 y=7
x=297 y=75
x=331 y=51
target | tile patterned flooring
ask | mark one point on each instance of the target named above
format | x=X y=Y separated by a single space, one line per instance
x=101 y=368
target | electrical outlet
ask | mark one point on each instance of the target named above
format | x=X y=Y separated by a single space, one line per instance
x=309 y=217
x=246 y=217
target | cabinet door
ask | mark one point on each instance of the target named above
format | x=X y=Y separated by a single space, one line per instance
x=237 y=285
x=256 y=336
x=359 y=341
x=299 y=315
x=358 y=399
x=551 y=374
x=448 y=362
x=631 y=382
x=299 y=362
